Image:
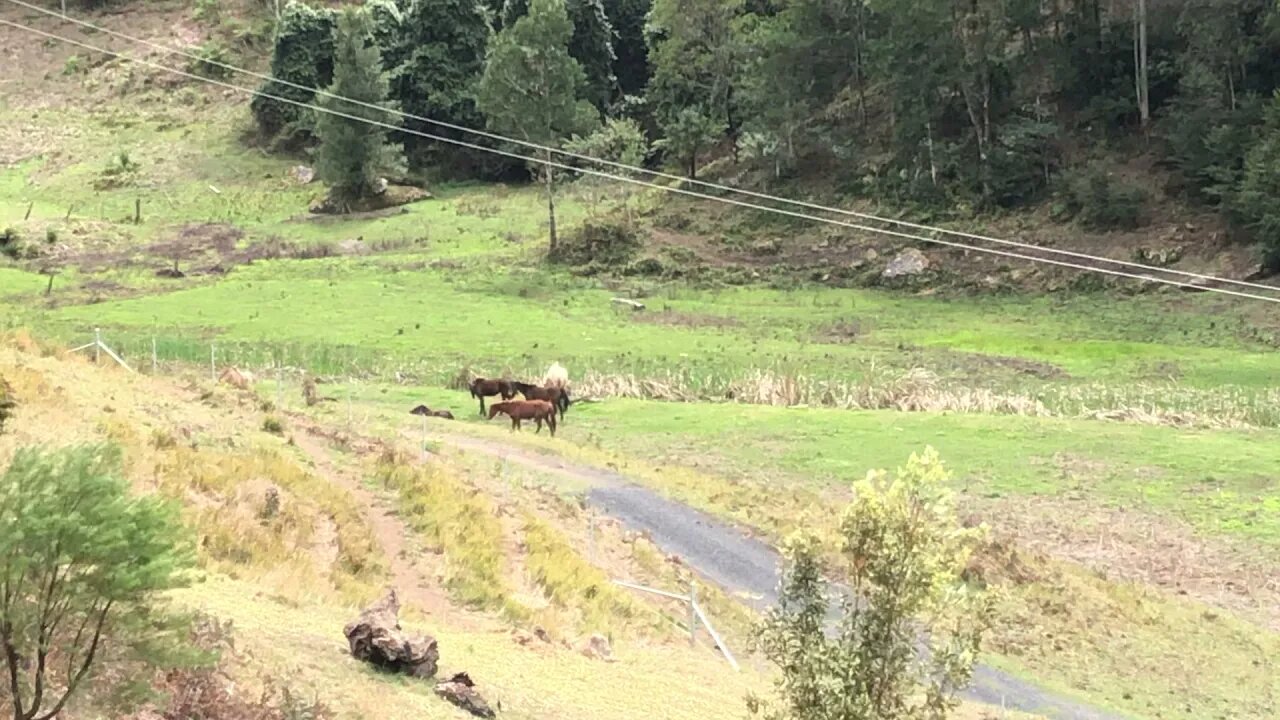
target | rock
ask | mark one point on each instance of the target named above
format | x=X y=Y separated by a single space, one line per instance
x=597 y=648
x=542 y=634
x=461 y=691
x=376 y=638
x=906 y=263
x=871 y=255
x=302 y=174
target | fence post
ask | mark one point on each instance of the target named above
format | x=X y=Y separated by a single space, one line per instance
x=279 y=386
x=693 y=612
x=137 y=211
x=155 y=364
x=213 y=364
x=591 y=537
x=348 y=386
x=97 y=346
x=424 y=437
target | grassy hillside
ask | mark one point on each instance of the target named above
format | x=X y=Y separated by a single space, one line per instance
x=1118 y=438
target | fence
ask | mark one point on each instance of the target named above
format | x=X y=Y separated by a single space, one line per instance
x=696 y=614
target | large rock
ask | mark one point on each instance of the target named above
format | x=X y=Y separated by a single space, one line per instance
x=461 y=691
x=376 y=638
x=906 y=263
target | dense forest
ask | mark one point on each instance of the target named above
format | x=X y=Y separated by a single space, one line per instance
x=946 y=104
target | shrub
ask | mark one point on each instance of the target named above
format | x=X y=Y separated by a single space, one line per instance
x=910 y=637
x=273 y=425
x=209 y=53
x=88 y=564
x=1102 y=201
x=303 y=54
x=73 y=66
x=1257 y=201
x=603 y=242
x=7 y=403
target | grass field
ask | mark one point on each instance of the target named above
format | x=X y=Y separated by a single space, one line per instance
x=457 y=282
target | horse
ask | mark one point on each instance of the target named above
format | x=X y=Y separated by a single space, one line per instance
x=483 y=388
x=559 y=397
x=556 y=377
x=517 y=410
x=424 y=410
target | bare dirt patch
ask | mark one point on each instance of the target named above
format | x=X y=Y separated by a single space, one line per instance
x=1143 y=547
x=675 y=318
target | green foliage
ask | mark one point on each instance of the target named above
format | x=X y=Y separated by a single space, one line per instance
x=696 y=57
x=901 y=553
x=601 y=243
x=353 y=154
x=73 y=66
x=592 y=46
x=86 y=564
x=209 y=53
x=1258 y=199
x=303 y=55
x=631 y=63
x=272 y=425
x=435 y=64
x=688 y=132
x=1103 y=201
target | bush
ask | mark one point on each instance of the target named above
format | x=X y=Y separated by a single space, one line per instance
x=610 y=243
x=209 y=53
x=1257 y=201
x=88 y=565
x=910 y=639
x=7 y=403
x=273 y=425
x=303 y=54
x=1102 y=201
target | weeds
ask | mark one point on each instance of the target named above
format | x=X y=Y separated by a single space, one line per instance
x=458 y=521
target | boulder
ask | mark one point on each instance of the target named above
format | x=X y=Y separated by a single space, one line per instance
x=597 y=647
x=302 y=174
x=376 y=638
x=461 y=691
x=906 y=263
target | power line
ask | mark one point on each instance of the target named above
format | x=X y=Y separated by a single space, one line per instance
x=658 y=173
x=634 y=181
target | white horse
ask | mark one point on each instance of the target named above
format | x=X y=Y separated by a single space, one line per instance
x=556 y=377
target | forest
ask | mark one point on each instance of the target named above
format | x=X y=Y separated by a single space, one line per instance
x=956 y=107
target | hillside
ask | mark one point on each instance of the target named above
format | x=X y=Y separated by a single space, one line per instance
x=1119 y=439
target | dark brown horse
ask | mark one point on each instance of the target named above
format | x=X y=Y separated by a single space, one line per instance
x=424 y=410
x=517 y=410
x=559 y=397
x=483 y=388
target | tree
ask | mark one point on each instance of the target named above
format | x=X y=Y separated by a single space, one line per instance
x=82 y=569
x=620 y=140
x=533 y=90
x=302 y=55
x=1258 y=199
x=436 y=65
x=591 y=45
x=631 y=63
x=352 y=153
x=695 y=54
x=690 y=131
x=909 y=629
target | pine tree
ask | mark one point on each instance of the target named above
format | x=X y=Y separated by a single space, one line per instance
x=352 y=153
x=533 y=89
x=631 y=64
x=591 y=45
x=439 y=58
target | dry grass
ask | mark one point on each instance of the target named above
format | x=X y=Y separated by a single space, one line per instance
x=455 y=519
x=920 y=390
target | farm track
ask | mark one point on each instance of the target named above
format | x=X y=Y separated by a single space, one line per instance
x=739 y=563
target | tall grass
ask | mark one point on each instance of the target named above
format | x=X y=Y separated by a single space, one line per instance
x=458 y=521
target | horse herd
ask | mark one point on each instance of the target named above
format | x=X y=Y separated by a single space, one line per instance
x=541 y=403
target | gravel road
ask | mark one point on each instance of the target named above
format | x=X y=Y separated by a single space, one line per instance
x=741 y=564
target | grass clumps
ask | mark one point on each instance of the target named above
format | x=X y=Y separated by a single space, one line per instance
x=457 y=520
x=599 y=244
x=574 y=584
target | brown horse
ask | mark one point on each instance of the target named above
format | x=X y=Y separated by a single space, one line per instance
x=517 y=410
x=424 y=410
x=559 y=397
x=483 y=388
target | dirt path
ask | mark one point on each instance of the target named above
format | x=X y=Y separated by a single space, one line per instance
x=738 y=562
x=415 y=587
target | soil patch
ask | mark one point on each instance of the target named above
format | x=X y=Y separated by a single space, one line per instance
x=675 y=318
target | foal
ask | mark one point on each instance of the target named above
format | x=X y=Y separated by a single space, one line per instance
x=483 y=388
x=517 y=410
